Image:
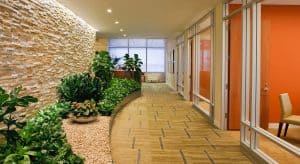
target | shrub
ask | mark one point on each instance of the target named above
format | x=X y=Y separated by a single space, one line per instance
x=102 y=66
x=12 y=121
x=45 y=138
x=119 y=88
x=85 y=109
x=80 y=87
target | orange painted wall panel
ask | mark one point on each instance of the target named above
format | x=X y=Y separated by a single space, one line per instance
x=205 y=68
x=281 y=45
x=280 y=59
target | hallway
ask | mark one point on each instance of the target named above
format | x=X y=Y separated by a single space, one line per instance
x=160 y=127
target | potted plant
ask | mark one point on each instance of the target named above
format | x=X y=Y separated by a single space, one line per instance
x=133 y=66
x=84 y=112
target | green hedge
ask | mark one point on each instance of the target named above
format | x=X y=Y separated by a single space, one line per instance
x=118 y=89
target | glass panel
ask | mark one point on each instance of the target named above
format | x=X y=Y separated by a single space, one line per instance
x=205 y=63
x=156 y=43
x=142 y=55
x=118 y=53
x=118 y=43
x=137 y=42
x=204 y=24
x=275 y=151
x=205 y=106
x=156 y=60
x=280 y=66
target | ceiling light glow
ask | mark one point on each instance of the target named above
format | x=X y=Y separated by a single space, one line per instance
x=117 y=22
x=121 y=30
x=109 y=10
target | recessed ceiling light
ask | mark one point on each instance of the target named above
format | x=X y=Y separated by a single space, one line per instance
x=121 y=30
x=124 y=35
x=117 y=22
x=109 y=10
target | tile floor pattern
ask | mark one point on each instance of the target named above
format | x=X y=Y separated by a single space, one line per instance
x=160 y=127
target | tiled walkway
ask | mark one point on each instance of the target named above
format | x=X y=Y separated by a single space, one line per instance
x=160 y=127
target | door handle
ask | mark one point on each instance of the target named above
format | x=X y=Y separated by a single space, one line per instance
x=266 y=87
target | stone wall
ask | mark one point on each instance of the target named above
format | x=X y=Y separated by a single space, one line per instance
x=40 y=42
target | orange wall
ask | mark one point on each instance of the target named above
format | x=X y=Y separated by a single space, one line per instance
x=281 y=44
x=205 y=68
x=280 y=59
x=235 y=70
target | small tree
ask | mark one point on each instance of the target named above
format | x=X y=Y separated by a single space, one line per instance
x=133 y=65
x=102 y=66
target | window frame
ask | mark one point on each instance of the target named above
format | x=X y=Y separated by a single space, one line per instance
x=146 y=48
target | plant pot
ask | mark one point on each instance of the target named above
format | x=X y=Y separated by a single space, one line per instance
x=83 y=120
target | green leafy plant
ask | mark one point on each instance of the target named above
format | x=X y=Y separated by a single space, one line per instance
x=44 y=137
x=8 y=105
x=133 y=65
x=80 y=87
x=102 y=66
x=85 y=109
x=119 y=88
x=137 y=67
x=12 y=148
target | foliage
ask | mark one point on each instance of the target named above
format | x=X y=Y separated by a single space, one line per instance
x=46 y=139
x=137 y=67
x=85 y=109
x=8 y=105
x=80 y=87
x=133 y=65
x=102 y=66
x=42 y=140
x=115 y=62
x=119 y=88
x=128 y=63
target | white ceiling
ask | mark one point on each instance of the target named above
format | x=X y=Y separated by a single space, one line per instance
x=140 y=18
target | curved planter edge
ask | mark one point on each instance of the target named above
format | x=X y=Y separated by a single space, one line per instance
x=120 y=106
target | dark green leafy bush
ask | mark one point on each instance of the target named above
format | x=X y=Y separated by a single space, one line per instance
x=80 y=87
x=119 y=88
x=12 y=121
x=102 y=66
x=45 y=138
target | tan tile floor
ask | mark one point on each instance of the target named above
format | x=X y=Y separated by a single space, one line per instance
x=160 y=127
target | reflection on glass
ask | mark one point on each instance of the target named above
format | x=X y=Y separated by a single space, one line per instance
x=205 y=54
x=204 y=105
x=275 y=151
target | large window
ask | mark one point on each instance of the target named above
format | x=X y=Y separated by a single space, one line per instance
x=151 y=51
